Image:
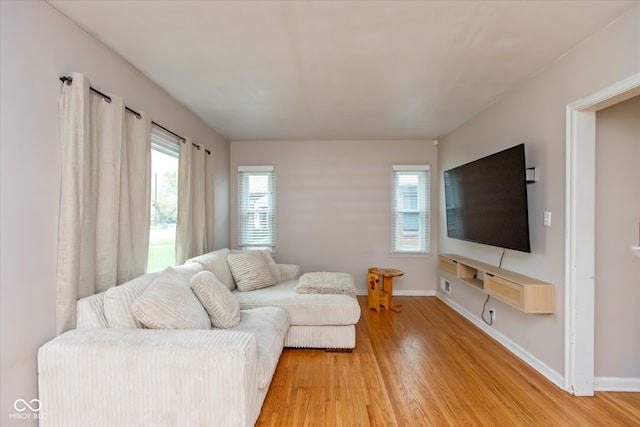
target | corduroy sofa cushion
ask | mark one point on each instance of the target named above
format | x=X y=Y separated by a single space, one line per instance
x=222 y=307
x=169 y=303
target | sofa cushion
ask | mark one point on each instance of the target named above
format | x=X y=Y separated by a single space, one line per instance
x=188 y=270
x=288 y=272
x=273 y=267
x=169 y=303
x=91 y=312
x=267 y=257
x=270 y=326
x=250 y=271
x=304 y=309
x=216 y=262
x=119 y=299
x=223 y=309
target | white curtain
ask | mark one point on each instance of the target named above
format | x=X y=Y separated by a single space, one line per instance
x=103 y=234
x=194 y=228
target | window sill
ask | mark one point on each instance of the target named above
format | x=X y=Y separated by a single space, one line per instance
x=410 y=254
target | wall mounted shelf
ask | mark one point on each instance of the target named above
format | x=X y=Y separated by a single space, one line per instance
x=521 y=292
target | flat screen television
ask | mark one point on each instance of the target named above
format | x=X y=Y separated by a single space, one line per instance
x=486 y=200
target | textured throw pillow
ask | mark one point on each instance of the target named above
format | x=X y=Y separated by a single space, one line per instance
x=188 y=270
x=268 y=258
x=119 y=299
x=169 y=303
x=216 y=262
x=217 y=299
x=250 y=271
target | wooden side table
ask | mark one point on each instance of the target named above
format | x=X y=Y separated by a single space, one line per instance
x=382 y=296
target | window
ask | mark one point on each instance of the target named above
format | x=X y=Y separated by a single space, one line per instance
x=410 y=231
x=164 y=199
x=256 y=207
x=410 y=220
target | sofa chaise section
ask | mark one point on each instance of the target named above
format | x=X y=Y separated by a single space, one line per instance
x=317 y=320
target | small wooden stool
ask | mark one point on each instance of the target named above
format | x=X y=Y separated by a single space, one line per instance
x=382 y=296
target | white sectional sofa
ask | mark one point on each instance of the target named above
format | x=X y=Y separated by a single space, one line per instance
x=115 y=371
x=317 y=320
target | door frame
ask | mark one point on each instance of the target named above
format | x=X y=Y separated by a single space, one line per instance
x=580 y=231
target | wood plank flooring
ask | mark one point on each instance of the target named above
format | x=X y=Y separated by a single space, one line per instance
x=427 y=366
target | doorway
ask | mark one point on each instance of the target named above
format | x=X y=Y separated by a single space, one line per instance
x=580 y=232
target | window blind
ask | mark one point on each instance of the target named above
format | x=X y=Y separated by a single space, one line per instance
x=256 y=207
x=410 y=216
x=164 y=141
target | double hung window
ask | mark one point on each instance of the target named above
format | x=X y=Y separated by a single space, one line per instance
x=410 y=216
x=256 y=207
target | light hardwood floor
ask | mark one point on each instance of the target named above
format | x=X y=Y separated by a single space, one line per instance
x=427 y=366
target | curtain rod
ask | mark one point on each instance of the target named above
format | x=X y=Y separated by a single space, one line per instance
x=69 y=80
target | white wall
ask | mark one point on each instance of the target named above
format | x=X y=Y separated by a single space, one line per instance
x=38 y=45
x=334 y=205
x=535 y=115
x=617 y=284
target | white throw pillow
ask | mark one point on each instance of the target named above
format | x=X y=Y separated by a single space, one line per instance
x=216 y=262
x=169 y=303
x=119 y=299
x=217 y=299
x=250 y=271
x=268 y=258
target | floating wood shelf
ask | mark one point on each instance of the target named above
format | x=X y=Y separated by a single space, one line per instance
x=522 y=292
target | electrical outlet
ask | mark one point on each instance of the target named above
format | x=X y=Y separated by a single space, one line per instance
x=492 y=313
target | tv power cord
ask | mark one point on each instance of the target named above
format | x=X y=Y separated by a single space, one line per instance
x=490 y=322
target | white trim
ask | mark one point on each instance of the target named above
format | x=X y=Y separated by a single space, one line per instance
x=423 y=209
x=403 y=293
x=263 y=168
x=411 y=167
x=617 y=384
x=580 y=230
x=407 y=254
x=544 y=369
x=580 y=251
x=611 y=95
x=414 y=293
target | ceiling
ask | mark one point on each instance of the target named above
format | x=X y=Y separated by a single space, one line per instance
x=340 y=70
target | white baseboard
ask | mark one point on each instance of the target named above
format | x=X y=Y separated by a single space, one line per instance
x=414 y=293
x=527 y=357
x=403 y=293
x=620 y=384
x=616 y=384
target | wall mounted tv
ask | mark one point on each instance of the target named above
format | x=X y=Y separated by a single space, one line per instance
x=486 y=200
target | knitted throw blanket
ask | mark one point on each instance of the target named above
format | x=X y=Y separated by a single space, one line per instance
x=326 y=283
